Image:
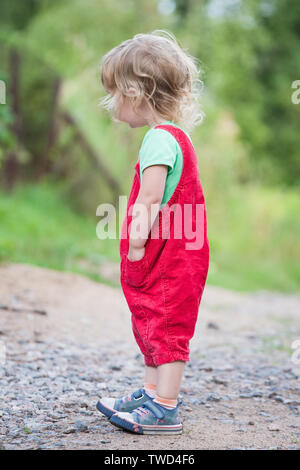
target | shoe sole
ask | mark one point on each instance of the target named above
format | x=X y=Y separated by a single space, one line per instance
x=146 y=429
x=108 y=412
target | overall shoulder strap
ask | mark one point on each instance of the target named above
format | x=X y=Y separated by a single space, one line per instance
x=190 y=163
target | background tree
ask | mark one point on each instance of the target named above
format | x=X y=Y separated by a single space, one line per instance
x=251 y=52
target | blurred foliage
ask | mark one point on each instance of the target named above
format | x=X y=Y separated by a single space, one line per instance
x=249 y=162
x=16 y=15
x=38 y=226
x=6 y=136
x=250 y=49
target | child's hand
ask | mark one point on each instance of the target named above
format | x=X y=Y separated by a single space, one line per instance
x=135 y=254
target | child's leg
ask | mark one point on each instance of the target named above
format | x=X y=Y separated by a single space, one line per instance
x=158 y=416
x=151 y=375
x=169 y=377
x=150 y=380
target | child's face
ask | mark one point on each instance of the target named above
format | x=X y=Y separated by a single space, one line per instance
x=127 y=114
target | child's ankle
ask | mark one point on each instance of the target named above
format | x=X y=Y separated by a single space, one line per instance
x=166 y=402
x=150 y=389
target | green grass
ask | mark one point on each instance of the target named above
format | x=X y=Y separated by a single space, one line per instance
x=253 y=234
x=38 y=227
x=254 y=239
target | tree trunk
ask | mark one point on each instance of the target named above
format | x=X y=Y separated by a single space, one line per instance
x=95 y=158
x=11 y=166
x=44 y=163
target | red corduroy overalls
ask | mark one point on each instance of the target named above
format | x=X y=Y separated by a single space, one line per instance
x=164 y=289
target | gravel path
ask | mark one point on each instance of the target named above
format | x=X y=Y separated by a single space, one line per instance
x=241 y=389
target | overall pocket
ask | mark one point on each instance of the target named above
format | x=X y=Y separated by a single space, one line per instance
x=136 y=272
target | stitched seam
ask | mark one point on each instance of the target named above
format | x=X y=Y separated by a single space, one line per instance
x=167 y=327
x=137 y=330
x=175 y=353
x=175 y=356
x=136 y=265
x=146 y=341
x=135 y=324
x=143 y=338
x=145 y=267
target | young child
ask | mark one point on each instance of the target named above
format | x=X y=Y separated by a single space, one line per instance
x=152 y=81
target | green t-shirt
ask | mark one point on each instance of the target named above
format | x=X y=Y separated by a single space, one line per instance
x=159 y=147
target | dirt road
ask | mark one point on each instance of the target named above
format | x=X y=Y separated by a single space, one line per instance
x=240 y=390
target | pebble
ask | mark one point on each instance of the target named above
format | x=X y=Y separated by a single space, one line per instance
x=226 y=421
x=212 y=325
x=220 y=381
x=80 y=426
x=273 y=427
x=213 y=397
x=45 y=401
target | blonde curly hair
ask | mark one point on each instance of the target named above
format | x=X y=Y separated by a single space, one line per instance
x=161 y=72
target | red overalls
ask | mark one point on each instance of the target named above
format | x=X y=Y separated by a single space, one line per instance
x=164 y=289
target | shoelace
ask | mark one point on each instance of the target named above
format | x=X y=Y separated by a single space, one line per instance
x=137 y=394
x=150 y=408
x=141 y=411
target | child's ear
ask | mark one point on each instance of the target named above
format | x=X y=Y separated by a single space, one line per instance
x=133 y=91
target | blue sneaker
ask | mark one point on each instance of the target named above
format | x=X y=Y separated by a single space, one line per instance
x=150 y=418
x=109 y=406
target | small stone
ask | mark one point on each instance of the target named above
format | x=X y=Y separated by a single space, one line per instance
x=254 y=394
x=213 y=397
x=212 y=325
x=245 y=395
x=206 y=368
x=116 y=368
x=80 y=426
x=273 y=427
x=220 y=381
x=102 y=385
x=280 y=399
x=70 y=431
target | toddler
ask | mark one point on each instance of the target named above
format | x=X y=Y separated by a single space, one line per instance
x=151 y=80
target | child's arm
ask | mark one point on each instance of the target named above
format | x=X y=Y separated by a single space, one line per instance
x=150 y=194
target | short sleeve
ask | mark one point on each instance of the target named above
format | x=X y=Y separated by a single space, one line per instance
x=158 y=148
